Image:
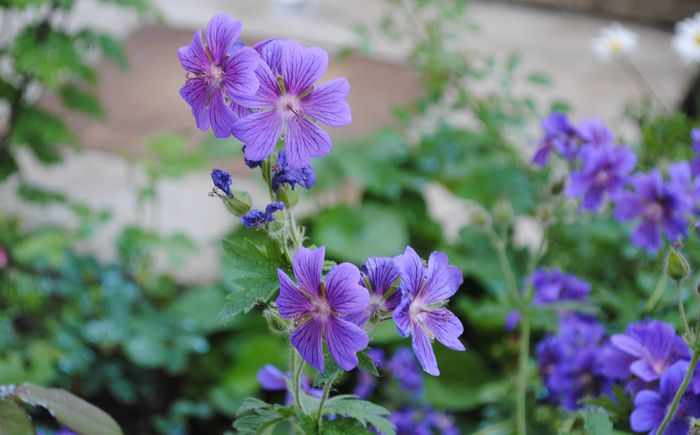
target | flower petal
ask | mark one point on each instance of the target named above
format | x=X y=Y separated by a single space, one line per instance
x=302 y=67
x=308 y=341
x=271 y=51
x=412 y=271
x=222 y=32
x=446 y=327
x=221 y=115
x=402 y=317
x=648 y=409
x=423 y=348
x=259 y=132
x=291 y=302
x=239 y=73
x=271 y=378
x=327 y=103
x=344 y=293
x=193 y=57
x=304 y=140
x=443 y=280
x=308 y=266
x=344 y=340
x=194 y=92
x=268 y=93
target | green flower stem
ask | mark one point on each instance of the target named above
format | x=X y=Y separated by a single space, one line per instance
x=680 y=392
x=322 y=402
x=297 y=367
x=523 y=356
x=681 y=309
x=657 y=294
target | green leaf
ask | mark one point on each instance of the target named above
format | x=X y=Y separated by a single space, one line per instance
x=344 y=426
x=8 y=165
x=539 y=79
x=250 y=404
x=361 y=410
x=306 y=423
x=331 y=370
x=13 y=419
x=366 y=364
x=71 y=411
x=253 y=273
x=258 y=418
x=43 y=132
x=75 y=98
x=112 y=49
x=354 y=234
x=597 y=422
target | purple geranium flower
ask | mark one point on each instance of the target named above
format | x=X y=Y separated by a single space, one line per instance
x=283 y=174
x=218 y=75
x=405 y=370
x=422 y=421
x=569 y=361
x=650 y=347
x=222 y=180
x=379 y=277
x=604 y=170
x=319 y=309
x=512 y=320
x=421 y=314
x=552 y=285
x=659 y=205
x=559 y=135
x=650 y=406
x=289 y=97
x=257 y=219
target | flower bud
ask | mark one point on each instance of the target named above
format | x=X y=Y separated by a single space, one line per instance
x=288 y=196
x=503 y=212
x=545 y=214
x=677 y=267
x=274 y=321
x=480 y=219
x=239 y=203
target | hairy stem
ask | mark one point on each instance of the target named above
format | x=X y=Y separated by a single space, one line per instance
x=322 y=402
x=681 y=309
x=297 y=367
x=680 y=392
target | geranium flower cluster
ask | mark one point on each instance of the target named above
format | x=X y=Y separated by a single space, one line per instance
x=335 y=310
x=600 y=169
x=648 y=362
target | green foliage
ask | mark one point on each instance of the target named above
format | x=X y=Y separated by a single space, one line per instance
x=361 y=410
x=13 y=419
x=596 y=422
x=255 y=416
x=252 y=271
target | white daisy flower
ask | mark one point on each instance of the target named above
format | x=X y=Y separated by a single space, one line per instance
x=614 y=40
x=687 y=39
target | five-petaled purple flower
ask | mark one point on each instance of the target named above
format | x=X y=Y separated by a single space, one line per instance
x=651 y=406
x=660 y=205
x=283 y=174
x=319 y=309
x=218 y=75
x=380 y=277
x=650 y=347
x=553 y=285
x=421 y=314
x=593 y=132
x=222 y=181
x=289 y=100
x=559 y=135
x=604 y=170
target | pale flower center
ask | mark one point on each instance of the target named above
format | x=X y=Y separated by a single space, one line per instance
x=321 y=310
x=376 y=305
x=654 y=211
x=216 y=75
x=602 y=178
x=615 y=45
x=290 y=106
x=697 y=39
x=417 y=311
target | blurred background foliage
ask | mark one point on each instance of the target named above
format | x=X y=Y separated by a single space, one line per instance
x=150 y=351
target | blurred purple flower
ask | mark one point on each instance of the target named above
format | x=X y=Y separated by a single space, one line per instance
x=604 y=170
x=650 y=347
x=257 y=219
x=553 y=285
x=512 y=320
x=559 y=135
x=319 y=310
x=660 y=206
x=421 y=314
x=695 y=145
x=569 y=363
x=651 y=405
x=403 y=367
x=423 y=421
x=289 y=98
x=273 y=379
x=218 y=75
x=367 y=382
x=593 y=132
